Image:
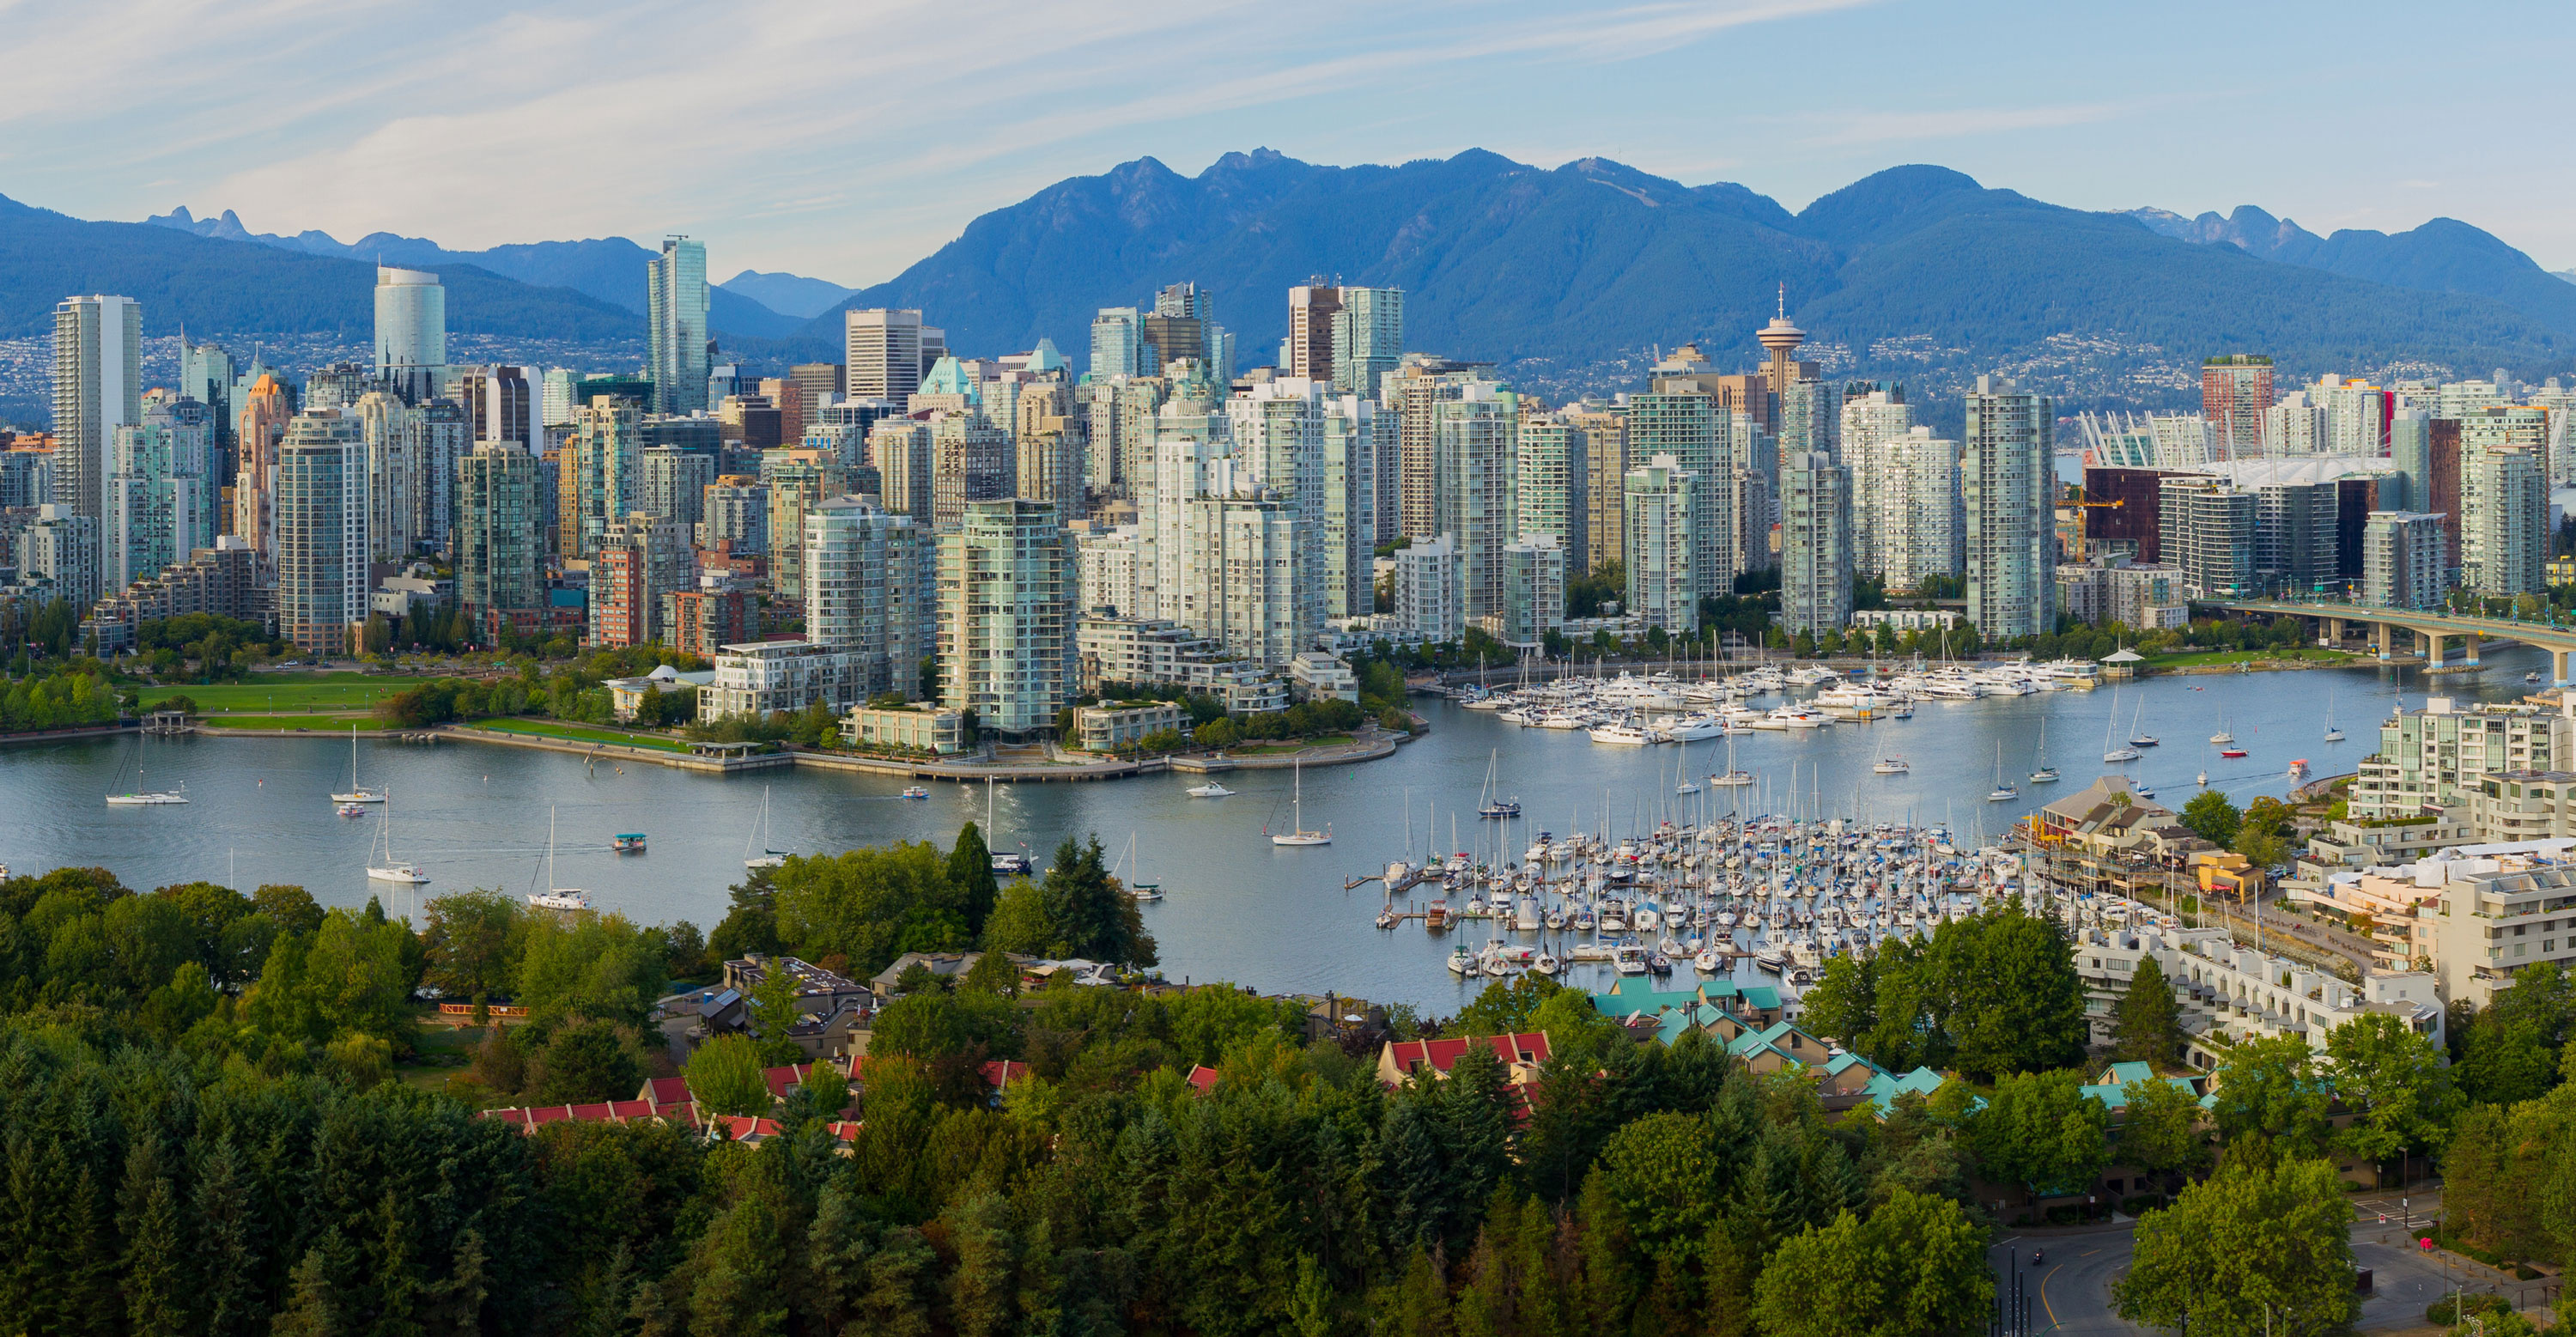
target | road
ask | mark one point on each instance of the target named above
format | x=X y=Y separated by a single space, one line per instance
x=2072 y=1291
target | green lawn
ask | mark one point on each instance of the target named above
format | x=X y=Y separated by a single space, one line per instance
x=579 y=733
x=318 y=723
x=289 y=691
x=2205 y=658
x=1276 y=749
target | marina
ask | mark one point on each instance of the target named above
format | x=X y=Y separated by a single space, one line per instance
x=1233 y=906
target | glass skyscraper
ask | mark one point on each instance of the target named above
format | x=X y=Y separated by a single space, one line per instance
x=677 y=338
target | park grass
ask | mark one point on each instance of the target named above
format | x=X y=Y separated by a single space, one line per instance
x=287 y=691
x=2222 y=658
x=317 y=723
x=576 y=733
x=1282 y=749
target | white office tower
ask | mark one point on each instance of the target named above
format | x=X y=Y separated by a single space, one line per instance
x=1815 y=544
x=676 y=333
x=2504 y=502
x=160 y=502
x=1874 y=425
x=61 y=549
x=883 y=351
x=2295 y=426
x=2403 y=559
x=1662 y=545
x=1477 y=439
x=322 y=539
x=1533 y=590
x=1244 y=571
x=397 y=440
x=1428 y=601
x=1118 y=344
x=411 y=332
x=672 y=483
x=2356 y=415
x=1914 y=523
x=98 y=387
x=1188 y=444
x=868 y=584
x=1368 y=339
x=1106 y=567
x=1353 y=430
x=1554 y=480
x=1279 y=431
x=1005 y=595
x=2005 y=487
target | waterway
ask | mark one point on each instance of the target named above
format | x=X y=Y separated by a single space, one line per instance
x=1235 y=907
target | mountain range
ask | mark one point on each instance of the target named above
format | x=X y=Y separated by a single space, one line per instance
x=608 y=268
x=1570 y=277
x=1913 y=270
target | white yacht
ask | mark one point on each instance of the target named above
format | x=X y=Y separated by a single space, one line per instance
x=1210 y=790
x=1623 y=734
x=1892 y=766
x=1298 y=834
x=358 y=793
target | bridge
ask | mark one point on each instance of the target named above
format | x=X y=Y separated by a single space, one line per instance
x=2433 y=629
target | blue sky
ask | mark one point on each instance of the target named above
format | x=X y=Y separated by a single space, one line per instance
x=846 y=140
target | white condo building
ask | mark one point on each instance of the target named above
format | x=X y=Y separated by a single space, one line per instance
x=2005 y=486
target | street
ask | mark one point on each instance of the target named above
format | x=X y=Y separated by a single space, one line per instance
x=2071 y=1292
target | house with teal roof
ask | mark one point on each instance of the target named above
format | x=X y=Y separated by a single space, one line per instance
x=2111 y=1087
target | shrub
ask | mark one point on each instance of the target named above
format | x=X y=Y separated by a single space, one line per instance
x=2141 y=1203
x=2441 y=1315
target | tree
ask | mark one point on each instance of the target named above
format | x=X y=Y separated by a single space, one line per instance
x=2160 y=1127
x=1669 y=1178
x=1844 y=1004
x=2040 y=1130
x=1096 y=917
x=725 y=1076
x=775 y=1009
x=2271 y=1102
x=1915 y=1268
x=2149 y=1025
x=1505 y=1008
x=587 y=1060
x=2211 y=817
x=970 y=877
x=468 y=937
x=1019 y=922
x=2254 y=1248
x=2394 y=1081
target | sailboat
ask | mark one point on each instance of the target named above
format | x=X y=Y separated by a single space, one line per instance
x=1681 y=772
x=2111 y=731
x=358 y=793
x=2222 y=737
x=1142 y=891
x=2333 y=734
x=767 y=858
x=554 y=897
x=2139 y=737
x=390 y=870
x=1733 y=779
x=2003 y=792
x=139 y=797
x=2041 y=772
x=1494 y=807
x=1300 y=835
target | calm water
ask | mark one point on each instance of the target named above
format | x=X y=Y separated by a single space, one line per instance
x=1235 y=906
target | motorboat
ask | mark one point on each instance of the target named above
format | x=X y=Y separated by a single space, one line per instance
x=1210 y=790
x=2231 y=752
x=1463 y=963
x=915 y=791
x=1622 y=734
x=630 y=842
x=1892 y=766
x=1499 y=809
x=351 y=809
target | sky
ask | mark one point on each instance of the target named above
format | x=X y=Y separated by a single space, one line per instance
x=847 y=140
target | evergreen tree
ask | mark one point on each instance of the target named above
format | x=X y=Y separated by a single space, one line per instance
x=312 y=1309
x=1610 y=1284
x=1422 y=1307
x=1727 y=1270
x=154 y=1269
x=1476 y=1124
x=970 y=878
x=228 y=1245
x=1310 y=1305
x=2149 y=1024
x=983 y=1291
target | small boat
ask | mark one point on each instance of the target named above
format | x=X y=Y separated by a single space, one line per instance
x=1892 y=766
x=1546 y=964
x=1136 y=886
x=351 y=809
x=2299 y=769
x=2041 y=773
x=1210 y=790
x=1499 y=809
x=2003 y=792
x=2231 y=752
x=1146 y=891
x=1771 y=960
x=2531 y=677
x=915 y=791
x=1300 y=835
x=1436 y=916
x=2335 y=735
x=2222 y=738
x=1010 y=865
x=138 y=800
x=631 y=842
x=1462 y=962
x=392 y=870
x=767 y=858
x=554 y=897
x=358 y=793
x=2203 y=780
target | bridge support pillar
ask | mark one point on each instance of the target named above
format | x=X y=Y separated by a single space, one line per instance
x=2334 y=633
x=2473 y=647
x=2433 y=648
x=2558 y=668
x=2381 y=633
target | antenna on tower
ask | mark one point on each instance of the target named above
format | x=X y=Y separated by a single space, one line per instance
x=1784 y=299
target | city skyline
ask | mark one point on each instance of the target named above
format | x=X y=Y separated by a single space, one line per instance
x=2111 y=111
